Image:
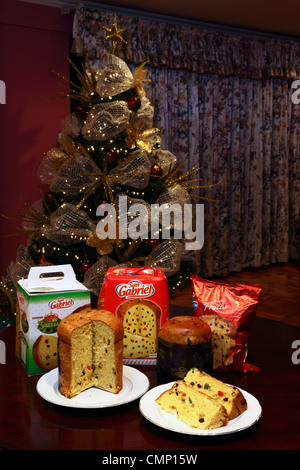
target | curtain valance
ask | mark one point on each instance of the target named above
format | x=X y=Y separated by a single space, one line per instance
x=186 y=47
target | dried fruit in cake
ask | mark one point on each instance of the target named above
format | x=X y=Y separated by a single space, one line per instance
x=201 y=401
x=223 y=340
x=90 y=352
x=192 y=407
x=44 y=352
x=227 y=395
x=141 y=322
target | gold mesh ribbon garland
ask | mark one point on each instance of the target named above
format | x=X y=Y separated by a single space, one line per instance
x=114 y=78
x=167 y=256
x=68 y=226
x=76 y=175
x=106 y=120
x=134 y=171
x=165 y=160
x=53 y=160
x=137 y=210
x=93 y=278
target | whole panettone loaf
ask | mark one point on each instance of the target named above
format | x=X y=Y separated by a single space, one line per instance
x=90 y=352
x=184 y=328
x=183 y=342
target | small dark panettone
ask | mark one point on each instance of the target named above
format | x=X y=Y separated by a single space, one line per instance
x=183 y=342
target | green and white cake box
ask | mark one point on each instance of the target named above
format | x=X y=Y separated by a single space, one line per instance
x=48 y=295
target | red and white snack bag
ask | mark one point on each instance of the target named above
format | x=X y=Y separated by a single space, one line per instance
x=140 y=297
x=229 y=310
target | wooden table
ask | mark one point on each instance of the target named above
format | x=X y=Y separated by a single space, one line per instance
x=29 y=422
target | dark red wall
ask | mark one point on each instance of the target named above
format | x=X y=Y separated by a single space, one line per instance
x=34 y=41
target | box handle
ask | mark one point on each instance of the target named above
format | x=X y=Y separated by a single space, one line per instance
x=55 y=275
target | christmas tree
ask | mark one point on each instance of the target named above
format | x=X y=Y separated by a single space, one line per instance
x=108 y=151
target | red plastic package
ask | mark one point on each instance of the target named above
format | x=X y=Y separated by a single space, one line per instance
x=229 y=309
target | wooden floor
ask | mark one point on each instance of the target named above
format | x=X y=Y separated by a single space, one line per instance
x=280 y=291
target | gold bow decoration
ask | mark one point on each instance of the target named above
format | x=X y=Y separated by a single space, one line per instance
x=134 y=170
x=32 y=218
x=106 y=120
x=114 y=79
x=103 y=246
x=68 y=226
x=75 y=175
x=138 y=137
x=35 y=219
x=67 y=144
x=139 y=77
x=54 y=159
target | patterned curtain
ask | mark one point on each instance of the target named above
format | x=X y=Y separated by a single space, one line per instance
x=222 y=101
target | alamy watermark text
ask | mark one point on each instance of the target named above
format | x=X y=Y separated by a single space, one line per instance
x=162 y=221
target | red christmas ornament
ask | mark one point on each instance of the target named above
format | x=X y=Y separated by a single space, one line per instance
x=156 y=170
x=112 y=155
x=84 y=266
x=49 y=197
x=152 y=243
x=102 y=205
x=50 y=201
x=42 y=260
x=134 y=103
x=79 y=110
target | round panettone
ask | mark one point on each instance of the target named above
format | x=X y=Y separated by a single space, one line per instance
x=44 y=352
x=183 y=342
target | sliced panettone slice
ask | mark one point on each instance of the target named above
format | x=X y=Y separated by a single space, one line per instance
x=194 y=408
x=227 y=395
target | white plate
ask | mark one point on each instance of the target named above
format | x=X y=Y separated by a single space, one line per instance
x=135 y=384
x=153 y=413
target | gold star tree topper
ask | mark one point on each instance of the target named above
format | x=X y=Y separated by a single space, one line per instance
x=114 y=34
